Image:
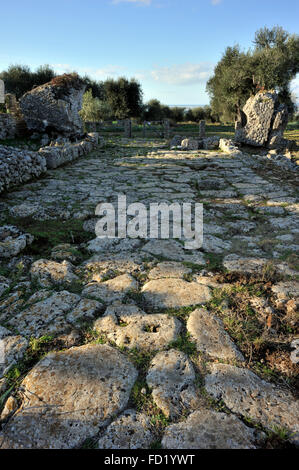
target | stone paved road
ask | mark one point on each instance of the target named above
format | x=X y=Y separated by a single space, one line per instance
x=167 y=315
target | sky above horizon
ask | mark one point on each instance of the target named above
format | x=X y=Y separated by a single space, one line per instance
x=170 y=46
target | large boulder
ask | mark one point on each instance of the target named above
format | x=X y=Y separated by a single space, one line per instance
x=262 y=121
x=54 y=107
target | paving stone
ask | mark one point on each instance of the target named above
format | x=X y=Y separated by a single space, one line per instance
x=119 y=263
x=174 y=251
x=65 y=252
x=10 y=406
x=208 y=429
x=127 y=325
x=174 y=293
x=244 y=265
x=245 y=393
x=13 y=241
x=86 y=309
x=69 y=396
x=47 y=317
x=48 y=273
x=171 y=377
x=210 y=337
x=215 y=245
x=131 y=430
x=12 y=349
x=98 y=245
x=286 y=289
x=4 y=284
x=168 y=269
x=114 y=289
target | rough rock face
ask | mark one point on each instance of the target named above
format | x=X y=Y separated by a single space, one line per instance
x=55 y=105
x=69 y=396
x=263 y=121
x=111 y=290
x=19 y=166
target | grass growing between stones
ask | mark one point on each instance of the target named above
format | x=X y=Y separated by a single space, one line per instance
x=50 y=233
x=263 y=336
x=36 y=350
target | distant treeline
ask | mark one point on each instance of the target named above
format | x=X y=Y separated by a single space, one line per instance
x=105 y=100
x=270 y=65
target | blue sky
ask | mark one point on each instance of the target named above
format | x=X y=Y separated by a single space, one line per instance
x=170 y=46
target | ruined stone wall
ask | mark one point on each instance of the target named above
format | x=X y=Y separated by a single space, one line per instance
x=59 y=155
x=19 y=166
x=7 y=126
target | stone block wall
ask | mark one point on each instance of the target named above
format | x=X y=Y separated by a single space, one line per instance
x=59 y=155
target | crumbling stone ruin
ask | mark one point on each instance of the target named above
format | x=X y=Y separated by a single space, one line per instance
x=262 y=121
x=54 y=107
x=19 y=166
x=7 y=126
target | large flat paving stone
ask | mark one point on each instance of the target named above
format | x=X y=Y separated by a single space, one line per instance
x=48 y=273
x=47 y=317
x=210 y=337
x=131 y=430
x=12 y=350
x=208 y=429
x=174 y=251
x=245 y=393
x=175 y=293
x=129 y=326
x=168 y=269
x=171 y=377
x=111 y=290
x=69 y=396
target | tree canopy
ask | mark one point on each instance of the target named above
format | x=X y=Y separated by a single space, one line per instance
x=19 y=79
x=124 y=97
x=271 y=64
